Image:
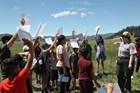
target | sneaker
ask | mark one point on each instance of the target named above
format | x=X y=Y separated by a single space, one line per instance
x=132 y=77
x=104 y=73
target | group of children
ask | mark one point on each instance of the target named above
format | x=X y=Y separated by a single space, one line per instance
x=17 y=69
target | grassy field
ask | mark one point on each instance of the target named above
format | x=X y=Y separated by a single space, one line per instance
x=110 y=63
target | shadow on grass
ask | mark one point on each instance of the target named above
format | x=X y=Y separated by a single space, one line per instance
x=136 y=91
x=36 y=88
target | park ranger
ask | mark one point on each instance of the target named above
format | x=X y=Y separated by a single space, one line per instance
x=126 y=54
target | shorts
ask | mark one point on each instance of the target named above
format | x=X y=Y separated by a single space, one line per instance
x=54 y=74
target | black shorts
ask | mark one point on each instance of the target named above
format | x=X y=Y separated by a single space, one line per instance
x=54 y=74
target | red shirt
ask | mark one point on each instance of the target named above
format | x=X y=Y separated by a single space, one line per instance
x=138 y=49
x=16 y=85
x=85 y=67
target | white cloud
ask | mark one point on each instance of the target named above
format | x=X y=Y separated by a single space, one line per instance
x=64 y=13
x=71 y=13
x=16 y=8
x=87 y=3
x=83 y=15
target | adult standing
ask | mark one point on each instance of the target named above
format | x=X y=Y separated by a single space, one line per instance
x=126 y=54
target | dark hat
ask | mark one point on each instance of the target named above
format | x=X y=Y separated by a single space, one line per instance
x=45 y=45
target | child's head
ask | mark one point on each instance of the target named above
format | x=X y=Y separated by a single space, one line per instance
x=100 y=39
x=5 y=38
x=61 y=40
x=45 y=46
x=11 y=66
x=84 y=52
x=75 y=50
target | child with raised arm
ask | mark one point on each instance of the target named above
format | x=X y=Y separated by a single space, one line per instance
x=100 y=52
x=16 y=78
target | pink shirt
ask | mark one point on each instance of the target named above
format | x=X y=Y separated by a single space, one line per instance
x=61 y=50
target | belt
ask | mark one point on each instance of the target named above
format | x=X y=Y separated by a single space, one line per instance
x=123 y=57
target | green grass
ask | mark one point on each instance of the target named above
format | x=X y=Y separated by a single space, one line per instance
x=110 y=63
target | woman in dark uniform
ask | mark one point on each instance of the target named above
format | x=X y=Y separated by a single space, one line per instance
x=126 y=54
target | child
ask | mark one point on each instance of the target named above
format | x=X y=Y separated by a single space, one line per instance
x=16 y=78
x=86 y=74
x=74 y=66
x=100 y=53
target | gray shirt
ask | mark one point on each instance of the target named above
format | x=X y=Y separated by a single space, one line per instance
x=126 y=49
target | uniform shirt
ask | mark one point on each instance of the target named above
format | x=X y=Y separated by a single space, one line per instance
x=85 y=67
x=60 y=50
x=16 y=85
x=126 y=49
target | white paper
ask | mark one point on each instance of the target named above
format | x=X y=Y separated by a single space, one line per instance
x=101 y=90
x=26 y=28
x=74 y=43
x=85 y=35
x=34 y=62
x=116 y=88
x=26 y=18
x=22 y=33
x=97 y=28
x=39 y=30
x=48 y=40
x=80 y=43
x=59 y=31
x=65 y=79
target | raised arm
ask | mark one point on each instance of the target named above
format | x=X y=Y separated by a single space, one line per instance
x=12 y=40
x=30 y=55
x=52 y=45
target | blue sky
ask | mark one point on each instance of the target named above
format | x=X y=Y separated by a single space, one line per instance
x=83 y=15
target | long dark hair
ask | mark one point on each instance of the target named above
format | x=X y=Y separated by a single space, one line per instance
x=60 y=38
x=102 y=40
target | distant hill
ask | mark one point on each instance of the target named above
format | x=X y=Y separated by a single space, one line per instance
x=134 y=30
x=79 y=36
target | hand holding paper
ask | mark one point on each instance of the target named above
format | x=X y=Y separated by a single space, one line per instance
x=48 y=40
x=26 y=18
x=23 y=33
x=97 y=28
x=39 y=30
x=74 y=43
x=59 y=31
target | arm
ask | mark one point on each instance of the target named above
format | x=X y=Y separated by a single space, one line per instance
x=12 y=40
x=117 y=43
x=73 y=37
x=94 y=78
x=110 y=88
x=131 y=60
x=63 y=64
x=52 y=45
x=30 y=55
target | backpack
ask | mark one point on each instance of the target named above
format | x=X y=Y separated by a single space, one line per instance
x=39 y=66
